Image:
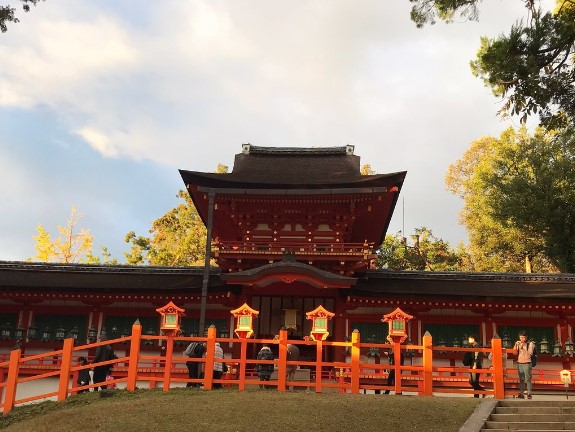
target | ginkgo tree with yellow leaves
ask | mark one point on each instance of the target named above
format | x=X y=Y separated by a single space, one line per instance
x=73 y=245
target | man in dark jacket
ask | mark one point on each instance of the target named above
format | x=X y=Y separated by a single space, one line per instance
x=474 y=359
x=103 y=353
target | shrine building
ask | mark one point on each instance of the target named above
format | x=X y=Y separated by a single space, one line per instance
x=290 y=229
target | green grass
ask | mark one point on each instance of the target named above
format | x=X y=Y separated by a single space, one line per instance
x=230 y=410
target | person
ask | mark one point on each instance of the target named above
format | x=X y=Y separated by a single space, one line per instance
x=265 y=370
x=292 y=355
x=83 y=375
x=524 y=351
x=391 y=375
x=474 y=359
x=103 y=353
x=194 y=350
x=218 y=366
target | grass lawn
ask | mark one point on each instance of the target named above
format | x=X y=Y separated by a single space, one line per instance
x=230 y=410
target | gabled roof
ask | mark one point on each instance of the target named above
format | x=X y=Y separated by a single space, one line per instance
x=294 y=168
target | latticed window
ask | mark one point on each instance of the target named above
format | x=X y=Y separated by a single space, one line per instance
x=371 y=332
x=451 y=334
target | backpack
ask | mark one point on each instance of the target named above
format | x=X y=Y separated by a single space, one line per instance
x=195 y=349
x=534 y=355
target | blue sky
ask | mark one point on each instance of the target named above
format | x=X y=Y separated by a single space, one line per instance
x=101 y=102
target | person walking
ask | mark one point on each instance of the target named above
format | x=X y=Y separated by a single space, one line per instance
x=83 y=375
x=524 y=350
x=474 y=359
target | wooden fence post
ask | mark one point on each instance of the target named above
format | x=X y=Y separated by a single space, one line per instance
x=12 y=380
x=65 y=367
x=134 y=356
x=243 y=359
x=168 y=363
x=210 y=356
x=355 y=357
x=318 y=365
x=427 y=364
x=498 y=368
x=282 y=358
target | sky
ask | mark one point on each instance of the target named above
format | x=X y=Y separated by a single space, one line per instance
x=102 y=101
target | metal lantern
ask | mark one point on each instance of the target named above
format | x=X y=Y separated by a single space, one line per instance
x=455 y=343
x=19 y=333
x=409 y=352
x=60 y=333
x=149 y=332
x=557 y=349
x=74 y=333
x=103 y=333
x=125 y=333
x=6 y=332
x=92 y=333
x=46 y=335
x=114 y=332
x=32 y=332
x=506 y=340
x=569 y=347
x=544 y=346
x=442 y=343
x=465 y=341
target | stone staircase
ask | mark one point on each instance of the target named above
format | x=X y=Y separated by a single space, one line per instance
x=532 y=415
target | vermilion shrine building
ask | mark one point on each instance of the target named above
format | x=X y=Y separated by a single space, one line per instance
x=291 y=229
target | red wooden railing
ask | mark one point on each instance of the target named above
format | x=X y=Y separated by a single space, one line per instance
x=351 y=376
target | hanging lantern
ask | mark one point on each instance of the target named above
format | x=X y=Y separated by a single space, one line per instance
x=46 y=335
x=557 y=349
x=465 y=342
x=74 y=333
x=544 y=346
x=32 y=331
x=569 y=347
x=455 y=343
x=60 y=333
x=19 y=333
x=506 y=340
x=6 y=332
x=92 y=333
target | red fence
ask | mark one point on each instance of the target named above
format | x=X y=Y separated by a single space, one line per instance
x=356 y=374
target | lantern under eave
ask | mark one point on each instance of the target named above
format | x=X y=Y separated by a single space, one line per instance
x=244 y=321
x=397 y=324
x=320 y=317
x=171 y=317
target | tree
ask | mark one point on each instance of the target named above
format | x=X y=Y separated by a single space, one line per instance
x=426 y=252
x=532 y=69
x=177 y=238
x=8 y=14
x=70 y=247
x=519 y=200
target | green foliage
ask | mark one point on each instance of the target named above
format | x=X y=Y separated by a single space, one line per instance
x=532 y=68
x=8 y=14
x=519 y=199
x=178 y=238
x=425 y=252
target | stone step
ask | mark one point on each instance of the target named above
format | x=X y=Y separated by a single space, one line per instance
x=535 y=410
x=531 y=417
x=544 y=426
x=535 y=403
x=523 y=430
